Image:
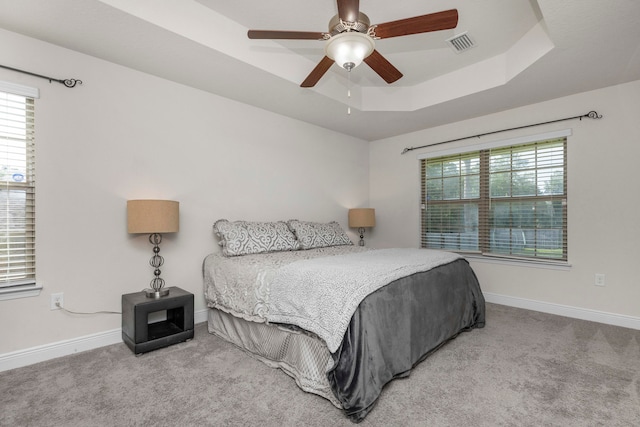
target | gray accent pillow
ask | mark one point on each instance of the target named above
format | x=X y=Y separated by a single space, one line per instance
x=318 y=235
x=245 y=237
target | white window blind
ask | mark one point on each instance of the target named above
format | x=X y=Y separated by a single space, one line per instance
x=507 y=201
x=17 y=189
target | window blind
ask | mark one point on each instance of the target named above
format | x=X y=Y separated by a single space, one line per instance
x=507 y=201
x=17 y=190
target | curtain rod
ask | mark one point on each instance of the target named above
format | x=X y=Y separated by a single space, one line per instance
x=590 y=115
x=66 y=82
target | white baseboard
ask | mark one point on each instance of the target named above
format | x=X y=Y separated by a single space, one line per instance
x=565 y=310
x=41 y=353
x=200 y=316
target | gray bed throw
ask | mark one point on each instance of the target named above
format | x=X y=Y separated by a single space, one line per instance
x=398 y=326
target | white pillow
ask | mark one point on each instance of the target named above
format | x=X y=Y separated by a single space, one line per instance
x=318 y=235
x=244 y=237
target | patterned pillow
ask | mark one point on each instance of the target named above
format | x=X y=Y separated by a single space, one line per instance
x=317 y=235
x=244 y=237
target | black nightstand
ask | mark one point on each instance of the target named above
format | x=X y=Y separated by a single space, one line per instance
x=142 y=336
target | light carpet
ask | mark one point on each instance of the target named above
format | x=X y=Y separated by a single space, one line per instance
x=524 y=368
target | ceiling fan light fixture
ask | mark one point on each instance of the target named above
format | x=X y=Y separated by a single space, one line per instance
x=349 y=49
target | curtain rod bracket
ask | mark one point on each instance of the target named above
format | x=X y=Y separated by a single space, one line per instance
x=66 y=82
x=591 y=115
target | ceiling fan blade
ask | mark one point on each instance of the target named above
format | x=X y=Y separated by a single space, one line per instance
x=292 y=35
x=348 y=10
x=419 y=24
x=380 y=65
x=317 y=72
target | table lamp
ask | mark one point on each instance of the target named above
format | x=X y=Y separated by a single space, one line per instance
x=361 y=218
x=153 y=217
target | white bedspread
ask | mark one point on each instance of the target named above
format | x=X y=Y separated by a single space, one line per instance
x=319 y=292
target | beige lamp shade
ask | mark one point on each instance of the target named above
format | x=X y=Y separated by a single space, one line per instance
x=362 y=217
x=152 y=216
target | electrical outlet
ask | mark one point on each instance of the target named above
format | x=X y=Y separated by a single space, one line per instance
x=599 y=281
x=57 y=301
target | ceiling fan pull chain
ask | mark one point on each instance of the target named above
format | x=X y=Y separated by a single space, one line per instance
x=349 y=91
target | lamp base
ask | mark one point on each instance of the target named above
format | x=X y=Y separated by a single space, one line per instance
x=153 y=293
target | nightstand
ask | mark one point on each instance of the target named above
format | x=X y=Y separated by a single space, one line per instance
x=142 y=336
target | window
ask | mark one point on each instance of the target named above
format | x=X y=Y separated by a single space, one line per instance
x=508 y=201
x=17 y=188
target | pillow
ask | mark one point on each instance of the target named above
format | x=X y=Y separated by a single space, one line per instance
x=317 y=235
x=244 y=237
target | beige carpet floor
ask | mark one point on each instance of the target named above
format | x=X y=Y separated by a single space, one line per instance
x=523 y=369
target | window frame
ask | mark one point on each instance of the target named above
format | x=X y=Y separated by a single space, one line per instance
x=26 y=286
x=483 y=214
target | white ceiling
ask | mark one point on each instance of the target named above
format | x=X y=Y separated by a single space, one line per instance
x=526 y=51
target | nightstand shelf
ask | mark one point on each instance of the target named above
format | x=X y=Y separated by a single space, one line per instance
x=162 y=329
x=142 y=336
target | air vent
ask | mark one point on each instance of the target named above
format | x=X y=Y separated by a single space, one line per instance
x=461 y=42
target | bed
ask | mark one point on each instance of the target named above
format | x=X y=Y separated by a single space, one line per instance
x=342 y=320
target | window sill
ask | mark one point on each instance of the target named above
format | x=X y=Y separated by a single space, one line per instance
x=21 y=291
x=549 y=265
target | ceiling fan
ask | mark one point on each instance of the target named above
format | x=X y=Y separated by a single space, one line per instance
x=350 y=39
